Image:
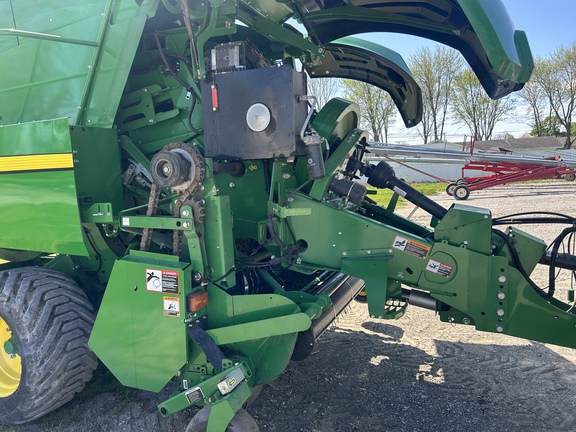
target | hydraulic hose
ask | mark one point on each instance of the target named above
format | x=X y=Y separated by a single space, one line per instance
x=553 y=256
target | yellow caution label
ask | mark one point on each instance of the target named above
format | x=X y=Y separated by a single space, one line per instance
x=41 y=162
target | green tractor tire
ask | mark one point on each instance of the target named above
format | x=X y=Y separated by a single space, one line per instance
x=45 y=322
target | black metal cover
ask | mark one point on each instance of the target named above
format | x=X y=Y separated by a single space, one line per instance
x=226 y=132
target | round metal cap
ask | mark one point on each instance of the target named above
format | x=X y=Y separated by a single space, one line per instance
x=258 y=117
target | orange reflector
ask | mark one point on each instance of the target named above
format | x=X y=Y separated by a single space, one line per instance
x=197 y=300
x=215 y=106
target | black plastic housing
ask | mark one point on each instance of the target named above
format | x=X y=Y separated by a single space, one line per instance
x=226 y=132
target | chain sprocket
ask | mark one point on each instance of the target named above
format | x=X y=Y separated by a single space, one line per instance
x=186 y=190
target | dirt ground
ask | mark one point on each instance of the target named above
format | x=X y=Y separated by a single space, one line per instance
x=414 y=374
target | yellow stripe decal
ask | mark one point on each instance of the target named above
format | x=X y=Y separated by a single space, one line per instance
x=36 y=162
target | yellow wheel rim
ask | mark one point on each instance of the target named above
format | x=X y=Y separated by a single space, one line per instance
x=10 y=362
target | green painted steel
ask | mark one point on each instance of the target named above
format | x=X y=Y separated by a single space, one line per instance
x=507 y=48
x=378 y=65
x=97 y=156
x=64 y=58
x=258 y=240
x=38 y=205
x=139 y=333
x=499 y=55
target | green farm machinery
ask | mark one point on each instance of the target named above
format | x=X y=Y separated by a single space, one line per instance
x=175 y=205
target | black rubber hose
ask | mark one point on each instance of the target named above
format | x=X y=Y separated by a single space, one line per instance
x=518 y=265
x=273 y=234
x=554 y=254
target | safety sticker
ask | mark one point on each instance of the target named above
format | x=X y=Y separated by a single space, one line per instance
x=172 y=306
x=194 y=395
x=411 y=247
x=162 y=281
x=439 y=268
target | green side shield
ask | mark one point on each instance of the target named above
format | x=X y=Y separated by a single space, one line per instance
x=139 y=333
x=38 y=204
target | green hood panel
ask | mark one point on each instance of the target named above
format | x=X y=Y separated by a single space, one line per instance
x=481 y=30
x=361 y=60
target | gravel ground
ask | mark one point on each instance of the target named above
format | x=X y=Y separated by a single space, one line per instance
x=414 y=374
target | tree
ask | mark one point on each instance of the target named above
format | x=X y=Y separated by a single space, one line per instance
x=551 y=126
x=435 y=72
x=324 y=89
x=535 y=97
x=472 y=106
x=378 y=109
x=559 y=84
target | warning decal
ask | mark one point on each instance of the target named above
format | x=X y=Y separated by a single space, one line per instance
x=411 y=247
x=172 y=306
x=439 y=268
x=162 y=281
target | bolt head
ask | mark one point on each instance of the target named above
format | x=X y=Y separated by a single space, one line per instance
x=501 y=278
x=499 y=329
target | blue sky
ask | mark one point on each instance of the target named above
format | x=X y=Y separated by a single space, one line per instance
x=548 y=24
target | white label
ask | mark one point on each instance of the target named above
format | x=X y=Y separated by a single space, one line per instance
x=172 y=306
x=439 y=268
x=399 y=191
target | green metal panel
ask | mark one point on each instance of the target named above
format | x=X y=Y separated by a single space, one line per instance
x=139 y=331
x=62 y=59
x=38 y=204
x=481 y=30
x=219 y=239
x=97 y=168
x=333 y=234
x=362 y=60
x=269 y=355
x=507 y=48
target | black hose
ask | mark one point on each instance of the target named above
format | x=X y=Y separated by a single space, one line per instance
x=557 y=218
x=273 y=234
x=188 y=88
x=553 y=255
x=518 y=265
x=168 y=67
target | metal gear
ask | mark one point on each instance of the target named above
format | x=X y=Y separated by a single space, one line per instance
x=186 y=190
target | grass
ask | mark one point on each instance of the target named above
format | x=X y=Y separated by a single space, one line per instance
x=382 y=196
